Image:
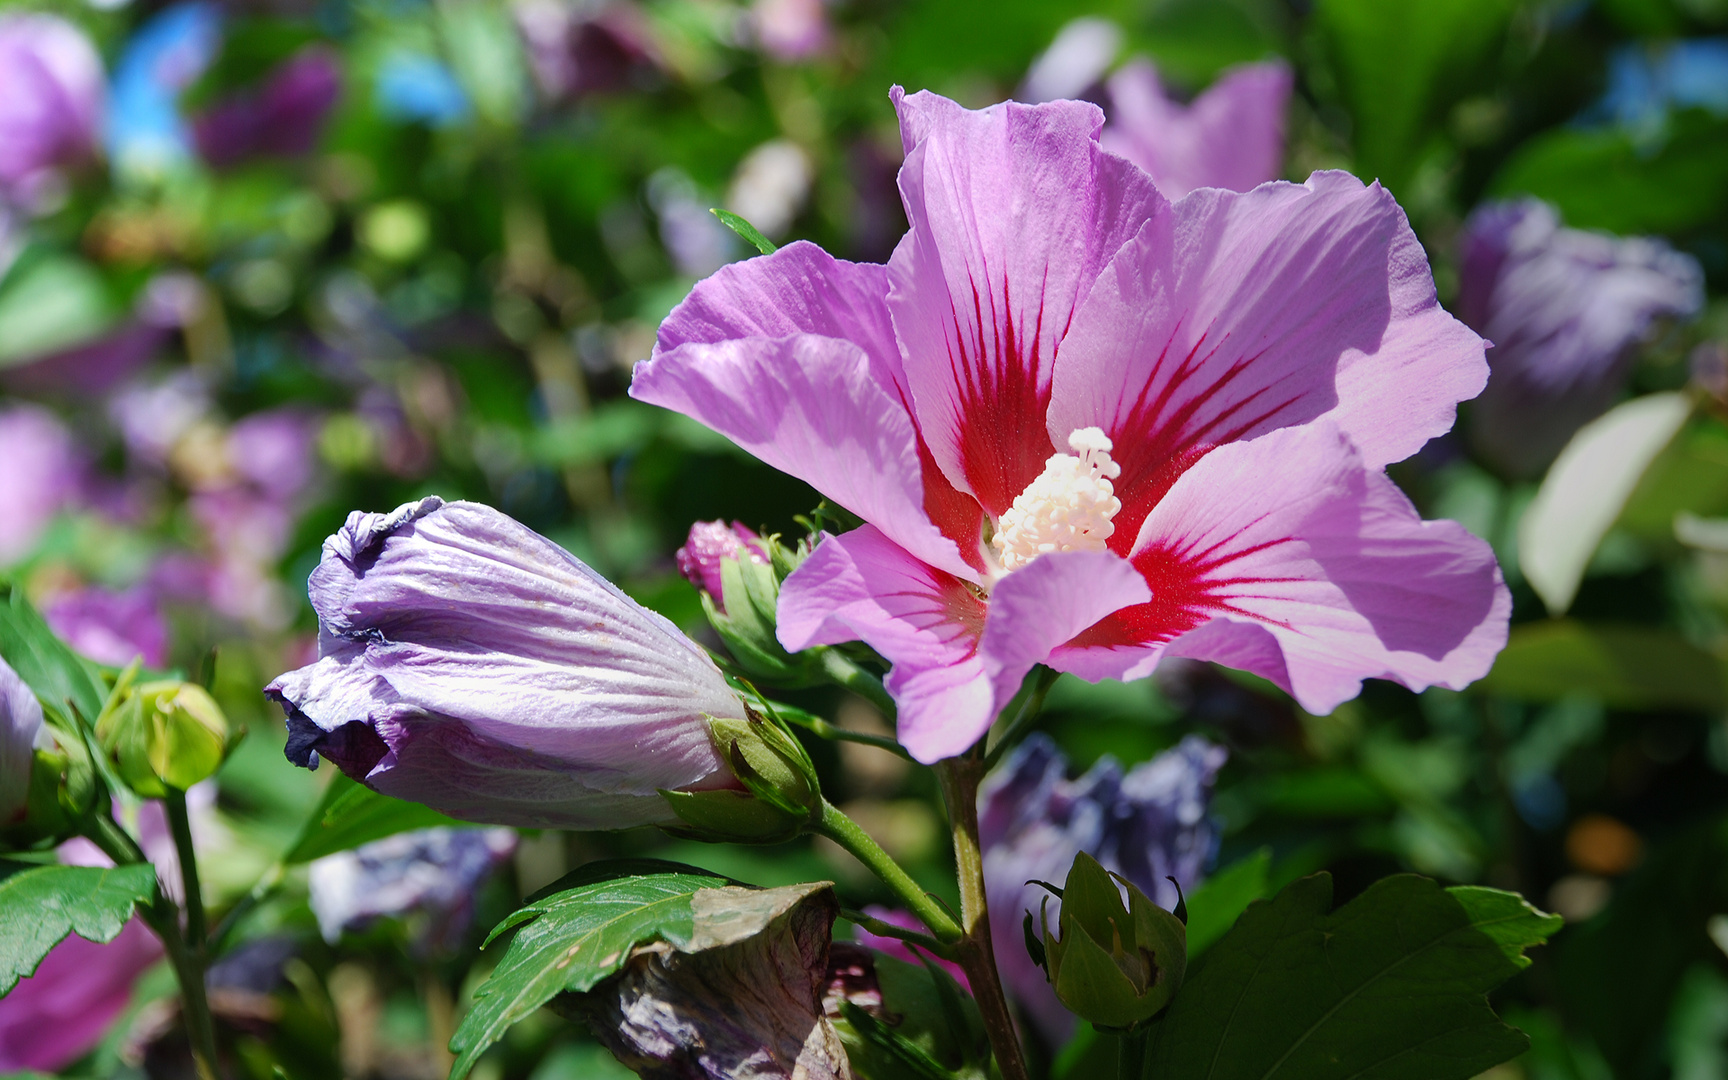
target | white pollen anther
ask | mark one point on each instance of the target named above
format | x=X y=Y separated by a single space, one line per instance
x=1068 y=508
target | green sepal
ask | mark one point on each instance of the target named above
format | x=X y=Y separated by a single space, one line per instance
x=164 y=734
x=1114 y=965
x=46 y=820
x=730 y=816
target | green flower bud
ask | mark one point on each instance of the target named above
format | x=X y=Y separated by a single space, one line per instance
x=1116 y=966
x=781 y=796
x=164 y=734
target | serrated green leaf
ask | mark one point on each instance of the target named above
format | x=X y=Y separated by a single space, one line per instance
x=351 y=814
x=39 y=906
x=749 y=232
x=569 y=941
x=1391 y=985
x=42 y=660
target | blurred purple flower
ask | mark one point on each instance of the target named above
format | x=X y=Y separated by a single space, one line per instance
x=470 y=664
x=283 y=118
x=51 y=102
x=91 y=368
x=273 y=451
x=433 y=872
x=1077 y=58
x=1147 y=825
x=899 y=949
x=60 y=1013
x=576 y=49
x=710 y=544
x=1231 y=136
x=43 y=475
x=790 y=30
x=20 y=726
x=152 y=417
x=111 y=627
x=1565 y=309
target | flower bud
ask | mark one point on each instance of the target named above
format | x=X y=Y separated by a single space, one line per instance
x=739 y=574
x=1113 y=965
x=780 y=797
x=710 y=544
x=165 y=734
x=467 y=663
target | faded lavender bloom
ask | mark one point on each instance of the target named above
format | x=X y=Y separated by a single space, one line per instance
x=1231 y=136
x=51 y=102
x=743 y=1002
x=790 y=30
x=432 y=873
x=111 y=627
x=20 y=727
x=283 y=118
x=1091 y=428
x=1077 y=58
x=1565 y=309
x=1148 y=824
x=470 y=664
x=710 y=544
x=42 y=476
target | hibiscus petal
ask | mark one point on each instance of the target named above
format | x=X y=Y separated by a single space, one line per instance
x=1035 y=610
x=1235 y=314
x=864 y=587
x=823 y=410
x=1014 y=212
x=1285 y=556
x=1231 y=136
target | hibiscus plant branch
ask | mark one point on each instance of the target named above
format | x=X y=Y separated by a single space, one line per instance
x=842 y=670
x=180 y=825
x=1030 y=710
x=889 y=930
x=960 y=777
x=841 y=829
x=823 y=729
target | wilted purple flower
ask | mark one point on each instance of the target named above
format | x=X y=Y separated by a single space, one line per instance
x=790 y=30
x=710 y=544
x=432 y=872
x=51 y=99
x=20 y=725
x=1231 y=136
x=1564 y=309
x=284 y=118
x=111 y=627
x=470 y=664
x=41 y=477
x=1146 y=825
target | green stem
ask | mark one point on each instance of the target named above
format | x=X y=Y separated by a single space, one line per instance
x=889 y=930
x=1028 y=715
x=1131 y=1054
x=841 y=670
x=268 y=884
x=180 y=824
x=822 y=728
x=845 y=832
x=960 y=777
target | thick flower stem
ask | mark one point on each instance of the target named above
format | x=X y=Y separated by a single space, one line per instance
x=1131 y=1055
x=960 y=777
x=844 y=672
x=845 y=832
x=181 y=826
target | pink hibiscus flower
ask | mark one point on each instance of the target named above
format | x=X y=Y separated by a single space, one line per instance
x=1091 y=428
x=1231 y=136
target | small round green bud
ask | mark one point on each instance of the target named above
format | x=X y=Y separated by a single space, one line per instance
x=164 y=734
x=1114 y=965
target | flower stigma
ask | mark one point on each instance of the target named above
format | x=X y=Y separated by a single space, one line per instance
x=1069 y=506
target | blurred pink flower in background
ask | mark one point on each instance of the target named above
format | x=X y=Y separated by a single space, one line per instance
x=51 y=103
x=110 y=627
x=1231 y=136
x=900 y=950
x=576 y=49
x=790 y=30
x=43 y=474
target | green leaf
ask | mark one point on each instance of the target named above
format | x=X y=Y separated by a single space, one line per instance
x=1401 y=66
x=1215 y=905
x=53 y=302
x=351 y=814
x=569 y=941
x=746 y=230
x=1624 y=667
x=1604 y=179
x=1587 y=487
x=41 y=905
x=1391 y=985
x=42 y=660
